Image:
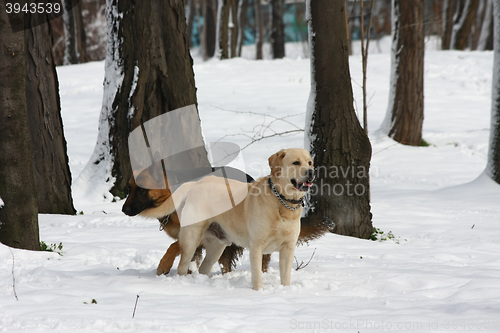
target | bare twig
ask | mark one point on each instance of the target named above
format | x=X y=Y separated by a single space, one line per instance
x=135 y=307
x=302 y=264
x=254 y=140
x=258 y=132
x=13 y=277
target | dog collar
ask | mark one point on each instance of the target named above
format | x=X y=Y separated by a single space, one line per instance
x=164 y=222
x=282 y=198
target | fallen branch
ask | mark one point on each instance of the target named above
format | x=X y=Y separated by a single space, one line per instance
x=302 y=264
x=13 y=276
x=135 y=307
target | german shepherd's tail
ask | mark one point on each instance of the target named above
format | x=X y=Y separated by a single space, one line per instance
x=313 y=227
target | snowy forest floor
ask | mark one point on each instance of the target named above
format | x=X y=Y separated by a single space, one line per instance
x=437 y=271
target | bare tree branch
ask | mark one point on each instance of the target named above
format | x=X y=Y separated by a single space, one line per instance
x=259 y=132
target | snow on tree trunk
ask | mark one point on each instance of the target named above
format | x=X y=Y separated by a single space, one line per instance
x=148 y=72
x=340 y=148
x=405 y=112
x=493 y=167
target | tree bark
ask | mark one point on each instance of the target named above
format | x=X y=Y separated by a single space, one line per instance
x=149 y=72
x=405 y=114
x=340 y=148
x=19 y=216
x=277 y=30
x=48 y=145
x=493 y=167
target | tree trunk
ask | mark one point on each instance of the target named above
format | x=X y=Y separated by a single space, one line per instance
x=485 y=40
x=242 y=21
x=405 y=113
x=149 y=72
x=48 y=146
x=222 y=36
x=74 y=33
x=233 y=27
x=259 y=30
x=339 y=146
x=19 y=215
x=208 y=40
x=464 y=18
x=190 y=19
x=448 y=11
x=277 y=30
x=493 y=167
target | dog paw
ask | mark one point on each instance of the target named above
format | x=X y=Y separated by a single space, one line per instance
x=162 y=271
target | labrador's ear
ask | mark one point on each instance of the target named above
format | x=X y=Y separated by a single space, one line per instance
x=275 y=161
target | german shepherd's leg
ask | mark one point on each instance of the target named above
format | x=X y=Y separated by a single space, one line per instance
x=266 y=258
x=256 y=267
x=168 y=259
x=189 y=239
x=213 y=250
x=286 y=262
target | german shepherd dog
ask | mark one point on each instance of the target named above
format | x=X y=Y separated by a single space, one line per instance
x=149 y=203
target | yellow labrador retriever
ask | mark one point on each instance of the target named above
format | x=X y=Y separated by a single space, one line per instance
x=265 y=221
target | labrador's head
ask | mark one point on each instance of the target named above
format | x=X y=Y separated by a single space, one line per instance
x=292 y=171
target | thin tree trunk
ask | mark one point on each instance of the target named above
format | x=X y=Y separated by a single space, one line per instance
x=222 y=35
x=190 y=19
x=485 y=41
x=208 y=39
x=277 y=30
x=339 y=146
x=405 y=114
x=493 y=167
x=259 y=33
x=233 y=27
x=242 y=21
x=74 y=31
x=462 y=24
x=50 y=159
x=364 y=57
x=449 y=7
x=19 y=215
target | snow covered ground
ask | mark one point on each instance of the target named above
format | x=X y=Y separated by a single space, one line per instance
x=439 y=273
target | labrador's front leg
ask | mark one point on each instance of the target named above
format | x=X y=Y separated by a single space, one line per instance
x=286 y=262
x=256 y=267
